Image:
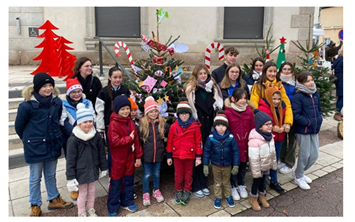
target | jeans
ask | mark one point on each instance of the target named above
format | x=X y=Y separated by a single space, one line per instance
x=258 y=185
x=273 y=173
x=148 y=170
x=240 y=177
x=339 y=104
x=49 y=169
x=288 y=149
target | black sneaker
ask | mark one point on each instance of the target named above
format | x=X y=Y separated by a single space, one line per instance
x=178 y=195
x=185 y=197
x=277 y=188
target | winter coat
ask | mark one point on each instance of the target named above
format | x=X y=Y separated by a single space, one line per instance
x=262 y=154
x=265 y=107
x=122 y=153
x=307 y=113
x=221 y=150
x=85 y=158
x=91 y=86
x=219 y=73
x=104 y=107
x=38 y=127
x=153 y=147
x=290 y=90
x=184 y=143
x=225 y=92
x=338 y=71
x=240 y=124
x=255 y=98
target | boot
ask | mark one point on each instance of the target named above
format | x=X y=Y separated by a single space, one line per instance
x=59 y=203
x=254 y=202
x=74 y=195
x=262 y=200
x=338 y=116
x=35 y=211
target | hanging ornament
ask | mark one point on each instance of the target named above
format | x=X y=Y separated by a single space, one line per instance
x=145 y=47
x=163 y=107
x=159 y=73
x=158 y=60
x=160 y=100
x=166 y=98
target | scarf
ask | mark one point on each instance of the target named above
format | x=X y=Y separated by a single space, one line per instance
x=305 y=89
x=43 y=101
x=82 y=135
x=219 y=137
x=206 y=85
x=256 y=75
x=72 y=102
x=266 y=136
x=289 y=79
x=239 y=108
x=187 y=123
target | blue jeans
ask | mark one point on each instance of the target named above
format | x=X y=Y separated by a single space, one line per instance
x=49 y=169
x=148 y=170
x=339 y=103
x=273 y=173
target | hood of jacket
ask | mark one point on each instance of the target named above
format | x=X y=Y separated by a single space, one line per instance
x=28 y=93
x=227 y=103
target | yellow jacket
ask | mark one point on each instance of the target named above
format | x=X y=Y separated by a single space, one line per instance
x=255 y=97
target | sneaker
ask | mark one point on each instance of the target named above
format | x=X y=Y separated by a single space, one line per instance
x=285 y=170
x=146 y=199
x=302 y=183
x=134 y=195
x=307 y=179
x=243 y=191
x=230 y=202
x=74 y=195
x=185 y=197
x=82 y=215
x=92 y=212
x=277 y=188
x=178 y=195
x=199 y=193
x=59 y=203
x=280 y=165
x=235 y=194
x=206 y=191
x=112 y=214
x=35 y=211
x=132 y=208
x=217 y=203
x=157 y=195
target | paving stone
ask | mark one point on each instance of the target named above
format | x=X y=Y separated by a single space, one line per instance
x=11 y=212
x=157 y=210
x=325 y=159
x=329 y=169
x=313 y=168
x=197 y=207
x=236 y=209
x=220 y=213
x=320 y=173
x=289 y=186
x=334 y=149
x=19 y=174
x=338 y=165
x=312 y=176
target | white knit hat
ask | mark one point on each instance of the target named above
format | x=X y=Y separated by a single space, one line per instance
x=83 y=114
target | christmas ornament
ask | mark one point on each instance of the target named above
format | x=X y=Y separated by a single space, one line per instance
x=161 y=14
x=149 y=83
x=178 y=47
x=163 y=107
x=163 y=84
x=128 y=52
x=208 y=53
x=159 y=73
x=166 y=98
x=160 y=100
x=144 y=46
x=158 y=60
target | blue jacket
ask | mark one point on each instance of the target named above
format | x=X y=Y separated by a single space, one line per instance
x=38 y=127
x=221 y=150
x=307 y=113
x=338 y=72
x=290 y=90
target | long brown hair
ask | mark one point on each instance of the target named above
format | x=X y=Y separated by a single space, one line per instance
x=144 y=127
x=192 y=81
x=259 y=86
x=250 y=74
x=109 y=86
x=79 y=63
x=226 y=82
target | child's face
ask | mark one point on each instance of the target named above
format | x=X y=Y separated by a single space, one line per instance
x=202 y=75
x=258 y=66
x=230 y=58
x=267 y=127
x=116 y=78
x=233 y=73
x=124 y=111
x=184 y=116
x=86 y=126
x=153 y=114
x=241 y=102
x=310 y=82
x=46 y=90
x=221 y=129
x=286 y=70
x=271 y=73
x=276 y=99
x=133 y=113
x=76 y=95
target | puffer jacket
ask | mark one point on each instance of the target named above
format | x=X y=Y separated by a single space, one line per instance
x=221 y=150
x=262 y=154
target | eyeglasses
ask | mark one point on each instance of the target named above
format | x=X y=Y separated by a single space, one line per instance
x=184 y=114
x=88 y=66
x=268 y=124
x=76 y=92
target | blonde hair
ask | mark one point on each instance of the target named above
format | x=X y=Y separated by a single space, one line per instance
x=144 y=127
x=226 y=82
x=192 y=81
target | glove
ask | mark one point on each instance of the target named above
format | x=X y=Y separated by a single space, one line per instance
x=235 y=170
x=205 y=170
x=102 y=174
x=72 y=185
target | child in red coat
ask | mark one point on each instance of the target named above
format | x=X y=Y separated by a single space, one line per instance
x=125 y=147
x=185 y=145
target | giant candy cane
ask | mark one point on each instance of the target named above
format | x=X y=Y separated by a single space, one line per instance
x=208 y=53
x=129 y=55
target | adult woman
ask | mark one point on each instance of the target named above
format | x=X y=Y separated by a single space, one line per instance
x=91 y=84
x=232 y=80
x=205 y=98
x=338 y=71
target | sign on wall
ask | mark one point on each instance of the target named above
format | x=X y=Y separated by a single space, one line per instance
x=33 y=32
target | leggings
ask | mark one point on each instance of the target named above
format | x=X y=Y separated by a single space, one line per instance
x=86 y=191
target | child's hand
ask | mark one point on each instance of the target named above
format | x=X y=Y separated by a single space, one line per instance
x=102 y=135
x=198 y=162
x=287 y=127
x=138 y=163
x=282 y=129
x=169 y=161
x=132 y=135
x=275 y=128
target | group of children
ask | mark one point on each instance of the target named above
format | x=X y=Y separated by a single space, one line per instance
x=240 y=135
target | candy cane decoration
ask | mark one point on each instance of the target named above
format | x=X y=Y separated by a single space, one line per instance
x=129 y=55
x=208 y=53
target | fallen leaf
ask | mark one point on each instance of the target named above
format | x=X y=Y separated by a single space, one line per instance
x=285 y=212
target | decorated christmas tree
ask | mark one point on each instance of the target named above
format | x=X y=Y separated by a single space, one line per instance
x=160 y=74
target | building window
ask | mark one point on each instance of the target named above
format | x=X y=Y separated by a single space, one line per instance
x=243 y=22
x=121 y=22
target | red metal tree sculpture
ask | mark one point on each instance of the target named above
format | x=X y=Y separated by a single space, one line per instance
x=65 y=59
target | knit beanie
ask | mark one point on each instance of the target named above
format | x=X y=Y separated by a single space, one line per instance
x=83 y=114
x=260 y=118
x=73 y=84
x=120 y=101
x=150 y=104
x=133 y=104
x=221 y=119
x=41 y=79
x=183 y=107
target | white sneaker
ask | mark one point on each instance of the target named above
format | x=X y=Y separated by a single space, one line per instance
x=285 y=170
x=302 y=183
x=280 y=165
x=92 y=213
x=243 y=192
x=307 y=179
x=235 y=194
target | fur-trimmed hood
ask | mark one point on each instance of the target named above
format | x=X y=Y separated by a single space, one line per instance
x=28 y=93
x=227 y=103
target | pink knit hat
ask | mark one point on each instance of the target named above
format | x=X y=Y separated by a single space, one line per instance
x=150 y=104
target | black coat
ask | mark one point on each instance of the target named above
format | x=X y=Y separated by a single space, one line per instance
x=219 y=73
x=91 y=87
x=338 y=71
x=85 y=158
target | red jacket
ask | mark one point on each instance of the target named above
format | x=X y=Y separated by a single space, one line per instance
x=122 y=156
x=240 y=124
x=184 y=143
x=263 y=106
